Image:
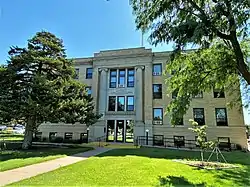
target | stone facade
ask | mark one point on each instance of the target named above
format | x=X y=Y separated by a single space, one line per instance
x=142 y=61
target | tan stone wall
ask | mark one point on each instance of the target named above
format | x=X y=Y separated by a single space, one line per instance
x=126 y=58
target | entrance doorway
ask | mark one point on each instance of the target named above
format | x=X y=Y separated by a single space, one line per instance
x=120 y=131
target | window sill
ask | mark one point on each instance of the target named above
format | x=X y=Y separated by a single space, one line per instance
x=120 y=113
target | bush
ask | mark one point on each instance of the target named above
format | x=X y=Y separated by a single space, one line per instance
x=238 y=147
x=72 y=141
x=57 y=140
x=44 y=139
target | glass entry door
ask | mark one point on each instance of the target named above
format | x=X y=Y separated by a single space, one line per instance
x=129 y=131
x=120 y=130
x=110 y=130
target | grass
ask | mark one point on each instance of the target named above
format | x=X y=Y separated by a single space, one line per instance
x=11 y=137
x=15 y=159
x=145 y=167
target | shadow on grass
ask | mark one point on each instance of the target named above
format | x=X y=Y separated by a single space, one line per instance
x=40 y=152
x=240 y=176
x=177 y=181
x=231 y=157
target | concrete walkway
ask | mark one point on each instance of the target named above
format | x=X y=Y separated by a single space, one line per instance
x=14 y=175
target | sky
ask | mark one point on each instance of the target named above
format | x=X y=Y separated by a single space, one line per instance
x=86 y=26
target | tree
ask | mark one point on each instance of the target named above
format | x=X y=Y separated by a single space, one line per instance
x=37 y=86
x=201 y=139
x=220 y=29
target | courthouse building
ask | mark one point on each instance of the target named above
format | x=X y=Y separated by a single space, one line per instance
x=128 y=89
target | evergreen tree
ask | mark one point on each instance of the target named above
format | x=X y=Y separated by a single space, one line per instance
x=37 y=86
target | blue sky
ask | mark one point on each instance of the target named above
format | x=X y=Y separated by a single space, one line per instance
x=86 y=26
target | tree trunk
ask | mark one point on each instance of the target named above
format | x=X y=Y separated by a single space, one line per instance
x=202 y=157
x=27 y=142
x=241 y=65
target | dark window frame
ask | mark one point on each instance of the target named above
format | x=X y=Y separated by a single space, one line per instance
x=202 y=122
x=89 y=75
x=157 y=73
x=121 y=76
x=178 y=142
x=118 y=103
x=131 y=83
x=109 y=104
x=220 y=123
x=157 y=95
x=68 y=138
x=219 y=93
x=77 y=71
x=198 y=96
x=54 y=136
x=127 y=105
x=158 y=140
x=224 y=144
x=111 y=83
x=180 y=122
x=88 y=88
x=161 y=114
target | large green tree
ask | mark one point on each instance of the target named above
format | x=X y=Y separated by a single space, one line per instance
x=37 y=85
x=218 y=28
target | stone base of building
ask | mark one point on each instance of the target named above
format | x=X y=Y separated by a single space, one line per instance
x=128 y=131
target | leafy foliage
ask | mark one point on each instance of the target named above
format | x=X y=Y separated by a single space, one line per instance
x=220 y=29
x=37 y=86
x=201 y=137
x=202 y=70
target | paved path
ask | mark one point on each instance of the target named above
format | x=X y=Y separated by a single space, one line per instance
x=14 y=175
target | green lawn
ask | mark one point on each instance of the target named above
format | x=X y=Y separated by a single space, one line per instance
x=11 y=137
x=16 y=159
x=145 y=167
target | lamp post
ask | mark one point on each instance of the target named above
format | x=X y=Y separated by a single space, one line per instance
x=147 y=136
x=87 y=135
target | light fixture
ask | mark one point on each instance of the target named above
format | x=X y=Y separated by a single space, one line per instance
x=147 y=130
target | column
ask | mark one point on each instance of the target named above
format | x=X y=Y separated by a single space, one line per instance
x=103 y=90
x=139 y=94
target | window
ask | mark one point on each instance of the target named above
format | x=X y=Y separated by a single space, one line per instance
x=52 y=136
x=131 y=78
x=121 y=103
x=111 y=103
x=158 y=140
x=76 y=76
x=179 y=121
x=112 y=83
x=224 y=143
x=130 y=103
x=157 y=115
x=157 y=69
x=174 y=94
x=221 y=116
x=121 y=80
x=157 y=91
x=219 y=93
x=38 y=136
x=89 y=72
x=88 y=90
x=179 y=141
x=68 y=135
x=199 y=115
x=199 y=95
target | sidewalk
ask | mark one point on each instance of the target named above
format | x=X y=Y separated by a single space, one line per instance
x=14 y=175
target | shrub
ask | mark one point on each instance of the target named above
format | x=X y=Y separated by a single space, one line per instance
x=57 y=140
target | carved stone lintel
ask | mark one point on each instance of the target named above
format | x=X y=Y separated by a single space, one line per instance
x=139 y=67
x=103 y=69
